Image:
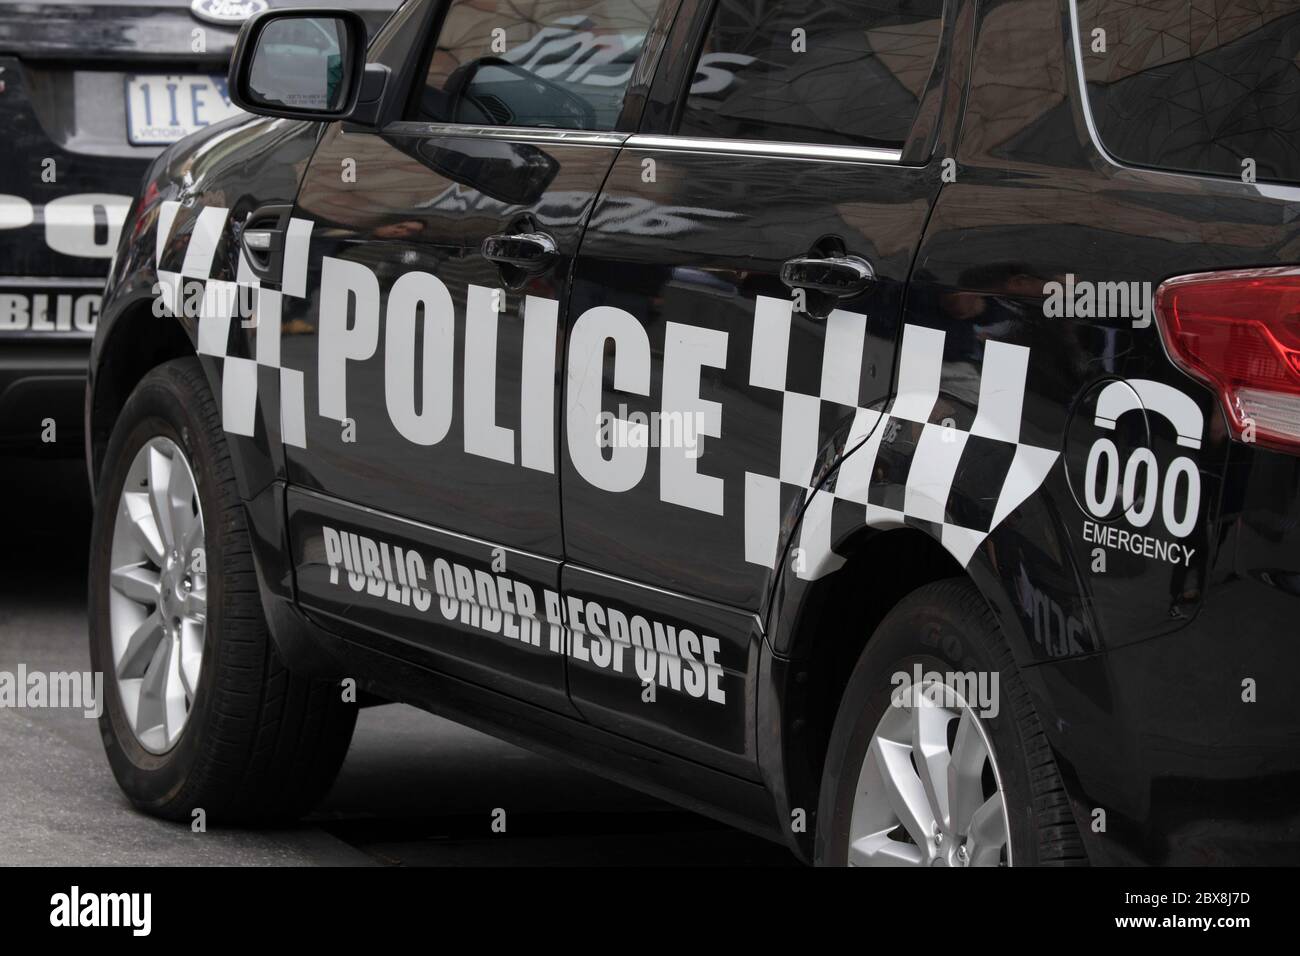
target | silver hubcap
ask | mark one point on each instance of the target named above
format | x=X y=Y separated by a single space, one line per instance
x=929 y=793
x=158 y=598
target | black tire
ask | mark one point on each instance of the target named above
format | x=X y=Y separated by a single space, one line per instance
x=260 y=744
x=947 y=626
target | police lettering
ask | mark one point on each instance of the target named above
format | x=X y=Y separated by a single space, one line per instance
x=420 y=309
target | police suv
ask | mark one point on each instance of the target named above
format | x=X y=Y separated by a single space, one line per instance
x=874 y=423
x=90 y=93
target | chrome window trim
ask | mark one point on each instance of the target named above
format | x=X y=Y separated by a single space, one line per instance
x=853 y=154
x=1081 y=84
x=856 y=154
x=528 y=134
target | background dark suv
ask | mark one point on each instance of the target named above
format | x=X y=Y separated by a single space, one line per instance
x=90 y=93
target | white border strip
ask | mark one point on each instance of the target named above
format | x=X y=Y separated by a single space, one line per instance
x=859 y=154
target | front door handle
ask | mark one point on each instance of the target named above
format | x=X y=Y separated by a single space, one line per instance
x=838 y=276
x=262 y=239
x=529 y=252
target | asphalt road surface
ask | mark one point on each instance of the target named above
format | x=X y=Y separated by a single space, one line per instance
x=414 y=790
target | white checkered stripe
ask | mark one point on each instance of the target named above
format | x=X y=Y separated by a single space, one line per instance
x=801 y=416
x=239 y=388
x=910 y=481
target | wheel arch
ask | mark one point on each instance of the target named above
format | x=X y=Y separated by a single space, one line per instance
x=135 y=343
x=806 y=665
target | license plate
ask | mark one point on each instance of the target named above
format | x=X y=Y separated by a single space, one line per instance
x=162 y=109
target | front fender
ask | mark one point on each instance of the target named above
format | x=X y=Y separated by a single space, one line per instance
x=162 y=285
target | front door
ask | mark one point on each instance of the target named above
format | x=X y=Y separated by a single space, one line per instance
x=424 y=481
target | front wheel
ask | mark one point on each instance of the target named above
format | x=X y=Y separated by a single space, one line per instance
x=937 y=757
x=199 y=712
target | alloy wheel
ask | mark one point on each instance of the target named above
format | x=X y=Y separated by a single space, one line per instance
x=158 y=596
x=929 y=792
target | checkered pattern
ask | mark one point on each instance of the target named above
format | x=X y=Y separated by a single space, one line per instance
x=915 y=466
x=239 y=376
x=910 y=464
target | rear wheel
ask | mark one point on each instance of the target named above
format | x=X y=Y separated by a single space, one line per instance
x=937 y=757
x=199 y=711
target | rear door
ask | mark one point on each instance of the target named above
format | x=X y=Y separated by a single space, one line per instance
x=705 y=396
x=425 y=500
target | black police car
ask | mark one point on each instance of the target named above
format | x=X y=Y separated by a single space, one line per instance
x=875 y=423
x=89 y=94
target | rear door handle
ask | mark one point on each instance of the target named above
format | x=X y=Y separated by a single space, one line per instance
x=839 y=276
x=530 y=252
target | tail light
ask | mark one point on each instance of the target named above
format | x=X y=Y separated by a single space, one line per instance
x=1239 y=332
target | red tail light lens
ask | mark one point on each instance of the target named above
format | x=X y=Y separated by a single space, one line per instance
x=1239 y=332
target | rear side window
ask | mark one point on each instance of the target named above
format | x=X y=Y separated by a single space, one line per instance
x=1200 y=86
x=563 y=64
x=830 y=72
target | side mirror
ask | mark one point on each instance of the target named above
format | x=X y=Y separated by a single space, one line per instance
x=305 y=64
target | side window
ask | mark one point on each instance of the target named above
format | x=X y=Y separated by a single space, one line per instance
x=1195 y=87
x=828 y=72
x=561 y=64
